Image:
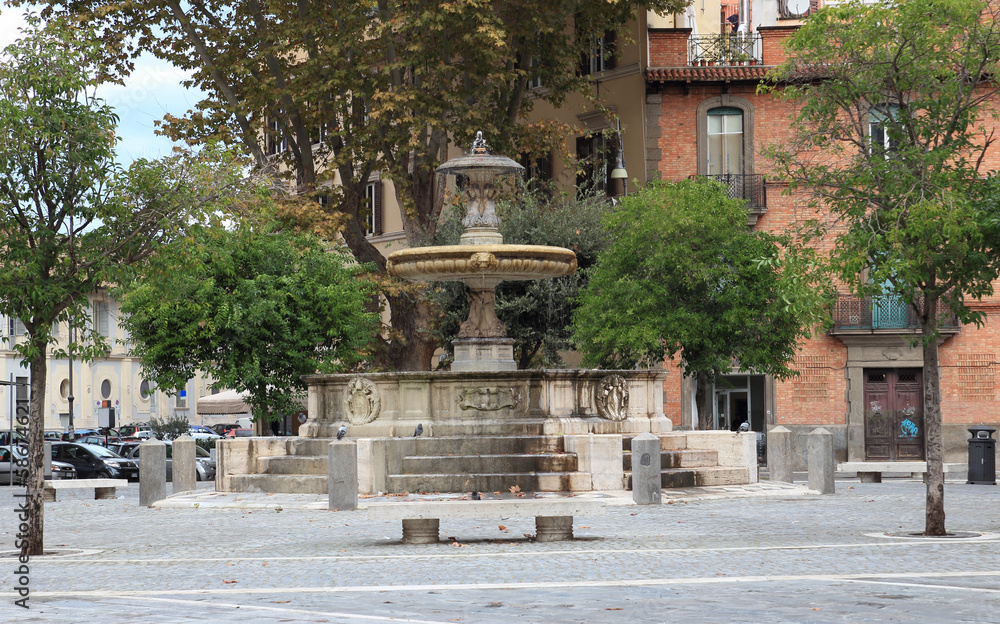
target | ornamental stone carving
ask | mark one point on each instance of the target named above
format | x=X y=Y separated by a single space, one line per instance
x=488 y=399
x=612 y=398
x=362 y=402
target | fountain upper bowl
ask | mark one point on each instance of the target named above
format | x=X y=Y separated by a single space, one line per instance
x=481 y=264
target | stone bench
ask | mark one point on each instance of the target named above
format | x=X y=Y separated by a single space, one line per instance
x=871 y=472
x=421 y=519
x=103 y=488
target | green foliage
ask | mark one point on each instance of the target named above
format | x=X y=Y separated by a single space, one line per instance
x=685 y=277
x=912 y=212
x=206 y=443
x=169 y=428
x=536 y=313
x=255 y=308
x=391 y=88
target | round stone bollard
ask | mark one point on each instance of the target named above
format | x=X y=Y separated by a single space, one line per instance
x=646 y=471
x=152 y=472
x=821 y=464
x=184 y=470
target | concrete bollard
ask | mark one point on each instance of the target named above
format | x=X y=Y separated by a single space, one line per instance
x=821 y=465
x=646 y=471
x=343 y=475
x=184 y=469
x=152 y=472
x=779 y=454
x=47 y=462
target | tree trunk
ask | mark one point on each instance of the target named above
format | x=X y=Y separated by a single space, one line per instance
x=701 y=399
x=35 y=539
x=411 y=345
x=934 y=447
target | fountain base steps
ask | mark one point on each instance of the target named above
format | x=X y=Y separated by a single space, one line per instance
x=684 y=467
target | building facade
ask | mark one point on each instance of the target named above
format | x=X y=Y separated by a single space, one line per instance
x=106 y=390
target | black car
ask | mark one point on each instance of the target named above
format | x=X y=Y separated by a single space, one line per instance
x=92 y=461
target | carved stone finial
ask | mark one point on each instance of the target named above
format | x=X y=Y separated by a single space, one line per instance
x=479 y=145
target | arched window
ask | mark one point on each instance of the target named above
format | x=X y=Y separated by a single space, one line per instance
x=725 y=140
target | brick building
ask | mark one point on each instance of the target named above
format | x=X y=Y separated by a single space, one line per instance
x=862 y=379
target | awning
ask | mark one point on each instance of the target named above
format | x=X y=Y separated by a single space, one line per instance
x=225 y=402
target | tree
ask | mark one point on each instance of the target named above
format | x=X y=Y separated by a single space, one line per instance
x=171 y=427
x=70 y=218
x=336 y=91
x=253 y=307
x=685 y=277
x=891 y=132
x=536 y=313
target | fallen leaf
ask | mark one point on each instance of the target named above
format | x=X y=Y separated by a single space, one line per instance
x=503 y=528
x=229 y=582
x=281 y=601
x=514 y=489
x=612 y=608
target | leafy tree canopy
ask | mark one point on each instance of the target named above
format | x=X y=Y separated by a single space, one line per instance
x=253 y=307
x=330 y=92
x=685 y=277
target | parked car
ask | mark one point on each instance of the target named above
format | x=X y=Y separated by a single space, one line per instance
x=201 y=432
x=60 y=470
x=204 y=464
x=78 y=434
x=123 y=448
x=240 y=433
x=132 y=431
x=222 y=430
x=54 y=436
x=93 y=461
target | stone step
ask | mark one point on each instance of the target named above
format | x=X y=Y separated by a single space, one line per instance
x=680 y=459
x=487 y=445
x=531 y=428
x=668 y=442
x=295 y=464
x=290 y=483
x=492 y=463
x=308 y=446
x=527 y=482
x=698 y=477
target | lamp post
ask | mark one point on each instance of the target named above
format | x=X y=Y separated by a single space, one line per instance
x=619 y=173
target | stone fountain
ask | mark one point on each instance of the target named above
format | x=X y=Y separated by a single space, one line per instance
x=484 y=393
x=485 y=425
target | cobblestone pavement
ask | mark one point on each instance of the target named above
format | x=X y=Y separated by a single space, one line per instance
x=767 y=553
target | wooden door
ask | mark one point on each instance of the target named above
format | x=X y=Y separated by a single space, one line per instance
x=894 y=415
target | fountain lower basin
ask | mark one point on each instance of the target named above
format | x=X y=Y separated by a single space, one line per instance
x=482 y=266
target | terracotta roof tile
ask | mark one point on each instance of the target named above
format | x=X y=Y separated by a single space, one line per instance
x=703 y=74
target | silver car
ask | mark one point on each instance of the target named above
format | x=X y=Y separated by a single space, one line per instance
x=10 y=474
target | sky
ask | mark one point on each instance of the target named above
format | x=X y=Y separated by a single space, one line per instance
x=152 y=90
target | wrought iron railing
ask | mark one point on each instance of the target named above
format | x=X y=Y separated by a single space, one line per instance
x=883 y=312
x=748 y=186
x=725 y=49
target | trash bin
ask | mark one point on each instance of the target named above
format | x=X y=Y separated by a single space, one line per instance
x=982 y=456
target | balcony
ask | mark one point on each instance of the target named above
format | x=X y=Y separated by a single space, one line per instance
x=883 y=314
x=750 y=187
x=727 y=50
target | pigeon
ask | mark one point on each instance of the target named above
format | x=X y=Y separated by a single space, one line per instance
x=419 y=430
x=745 y=426
x=476 y=496
x=341 y=432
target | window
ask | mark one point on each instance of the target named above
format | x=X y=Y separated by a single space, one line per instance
x=725 y=141
x=725 y=136
x=537 y=173
x=274 y=139
x=102 y=318
x=144 y=390
x=884 y=128
x=601 y=56
x=373 y=206
x=16 y=327
x=180 y=401
x=106 y=389
x=596 y=158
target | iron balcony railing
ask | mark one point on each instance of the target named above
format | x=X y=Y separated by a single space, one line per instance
x=726 y=49
x=748 y=186
x=883 y=312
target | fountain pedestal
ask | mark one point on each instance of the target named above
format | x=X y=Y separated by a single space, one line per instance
x=483 y=354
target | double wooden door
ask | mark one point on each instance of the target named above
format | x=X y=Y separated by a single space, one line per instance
x=894 y=415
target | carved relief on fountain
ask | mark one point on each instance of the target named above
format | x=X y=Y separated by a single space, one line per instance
x=612 y=398
x=488 y=398
x=482 y=321
x=362 y=402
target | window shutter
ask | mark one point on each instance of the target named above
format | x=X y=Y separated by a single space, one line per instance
x=610 y=50
x=377 y=207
